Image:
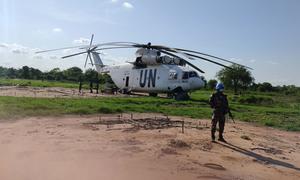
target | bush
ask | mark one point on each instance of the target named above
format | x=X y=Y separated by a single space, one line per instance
x=105 y=110
x=270 y=123
x=256 y=100
x=24 y=84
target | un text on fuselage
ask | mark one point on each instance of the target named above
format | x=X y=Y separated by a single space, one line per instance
x=148 y=77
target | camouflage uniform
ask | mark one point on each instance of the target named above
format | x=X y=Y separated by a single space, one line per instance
x=218 y=101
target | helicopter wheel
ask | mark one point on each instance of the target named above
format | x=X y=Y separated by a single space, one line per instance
x=170 y=95
x=153 y=94
x=125 y=91
x=181 y=96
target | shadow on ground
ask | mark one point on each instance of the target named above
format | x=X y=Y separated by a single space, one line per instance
x=259 y=157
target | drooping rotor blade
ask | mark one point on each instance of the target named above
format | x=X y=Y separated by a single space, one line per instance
x=208 y=55
x=189 y=55
x=214 y=62
x=195 y=67
x=174 y=55
x=117 y=43
x=91 y=42
x=73 y=55
x=72 y=47
x=90 y=59
x=171 y=50
x=117 y=47
x=87 y=56
x=131 y=44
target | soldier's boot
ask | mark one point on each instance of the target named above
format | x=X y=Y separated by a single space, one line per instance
x=221 y=130
x=213 y=137
x=221 y=138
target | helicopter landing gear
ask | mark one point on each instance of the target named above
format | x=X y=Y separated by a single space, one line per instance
x=153 y=94
x=125 y=91
x=179 y=94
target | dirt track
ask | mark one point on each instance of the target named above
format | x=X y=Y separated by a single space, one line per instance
x=52 y=92
x=74 y=147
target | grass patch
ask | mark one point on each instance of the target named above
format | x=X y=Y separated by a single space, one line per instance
x=38 y=83
x=283 y=112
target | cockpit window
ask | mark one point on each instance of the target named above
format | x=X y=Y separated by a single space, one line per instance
x=185 y=75
x=193 y=74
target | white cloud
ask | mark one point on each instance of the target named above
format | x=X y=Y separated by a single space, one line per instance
x=81 y=41
x=114 y=1
x=3 y=45
x=16 y=51
x=16 y=55
x=53 y=57
x=38 y=57
x=127 y=5
x=272 y=62
x=57 y=30
x=81 y=17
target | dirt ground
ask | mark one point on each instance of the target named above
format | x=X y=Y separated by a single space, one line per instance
x=53 y=92
x=81 y=147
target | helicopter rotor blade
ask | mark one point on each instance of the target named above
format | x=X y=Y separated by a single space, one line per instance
x=205 y=59
x=90 y=59
x=189 y=55
x=91 y=42
x=57 y=49
x=174 y=55
x=86 y=59
x=117 y=47
x=73 y=55
x=131 y=44
x=208 y=55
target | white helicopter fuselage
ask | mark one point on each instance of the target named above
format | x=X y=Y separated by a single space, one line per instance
x=154 y=79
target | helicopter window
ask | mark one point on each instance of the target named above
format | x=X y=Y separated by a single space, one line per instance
x=173 y=75
x=193 y=74
x=185 y=75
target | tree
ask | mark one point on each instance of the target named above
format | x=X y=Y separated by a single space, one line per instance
x=12 y=73
x=212 y=83
x=265 y=87
x=35 y=73
x=236 y=77
x=73 y=73
x=3 y=71
x=25 y=72
x=56 y=74
x=90 y=75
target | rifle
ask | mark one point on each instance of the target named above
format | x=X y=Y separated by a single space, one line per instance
x=231 y=115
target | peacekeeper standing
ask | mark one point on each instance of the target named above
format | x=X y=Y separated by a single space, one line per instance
x=219 y=103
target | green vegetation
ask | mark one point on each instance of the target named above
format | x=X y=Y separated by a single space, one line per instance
x=260 y=103
x=36 y=83
x=73 y=74
x=270 y=109
x=236 y=77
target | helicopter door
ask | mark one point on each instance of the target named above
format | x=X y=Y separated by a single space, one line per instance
x=127 y=81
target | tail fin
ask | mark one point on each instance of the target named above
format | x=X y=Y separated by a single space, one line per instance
x=97 y=61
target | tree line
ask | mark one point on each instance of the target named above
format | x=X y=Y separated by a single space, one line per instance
x=235 y=78
x=73 y=74
x=238 y=78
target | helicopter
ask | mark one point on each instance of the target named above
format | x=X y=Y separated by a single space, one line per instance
x=156 y=69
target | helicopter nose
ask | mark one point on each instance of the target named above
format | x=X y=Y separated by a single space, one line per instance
x=196 y=83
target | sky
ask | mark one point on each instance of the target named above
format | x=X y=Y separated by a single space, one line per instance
x=262 y=34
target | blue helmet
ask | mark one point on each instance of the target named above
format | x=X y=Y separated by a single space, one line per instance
x=220 y=87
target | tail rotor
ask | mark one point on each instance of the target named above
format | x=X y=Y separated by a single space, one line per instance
x=90 y=49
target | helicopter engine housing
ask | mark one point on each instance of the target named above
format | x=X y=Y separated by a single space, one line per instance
x=153 y=57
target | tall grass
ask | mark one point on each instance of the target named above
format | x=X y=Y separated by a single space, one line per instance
x=280 y=113
x=270 y=109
